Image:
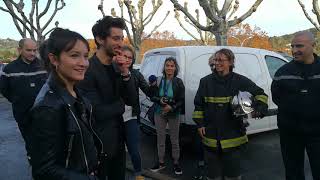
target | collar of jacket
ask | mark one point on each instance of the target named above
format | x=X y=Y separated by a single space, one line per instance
x=35 y=61
x=222 y=78
x=59 y=88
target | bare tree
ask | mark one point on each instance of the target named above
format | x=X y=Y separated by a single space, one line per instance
x=202 y=37
x=137 y=21
x=31 y=24
x=219 y=19
x=315 y=10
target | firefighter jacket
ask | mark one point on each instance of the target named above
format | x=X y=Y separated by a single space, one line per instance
x=213 y=109
x=20 y=83
x=295 y=89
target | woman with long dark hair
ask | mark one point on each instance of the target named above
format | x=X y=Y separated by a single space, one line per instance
x=169 y=99
x=63 y=140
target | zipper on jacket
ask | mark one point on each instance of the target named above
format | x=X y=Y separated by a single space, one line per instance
x=81 y=135
x=90 y=123
x=69 y=150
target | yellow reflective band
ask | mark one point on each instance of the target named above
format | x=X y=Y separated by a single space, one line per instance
x=209 y=142
x=262 y=98
x=229 y=143
x=198 y=114
x=217 y=99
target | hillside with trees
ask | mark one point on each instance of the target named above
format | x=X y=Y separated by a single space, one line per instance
x=240 y=35
x=8 y=50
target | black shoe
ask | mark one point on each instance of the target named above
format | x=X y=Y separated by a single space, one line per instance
x=200 y=174
x=177 y=169
x=157 y=167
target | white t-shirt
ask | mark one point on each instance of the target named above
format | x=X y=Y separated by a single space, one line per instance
x=127 y=115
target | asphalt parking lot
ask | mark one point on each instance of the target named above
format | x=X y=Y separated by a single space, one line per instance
x=262 y=160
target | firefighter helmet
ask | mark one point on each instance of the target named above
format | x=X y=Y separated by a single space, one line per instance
x=241 y=104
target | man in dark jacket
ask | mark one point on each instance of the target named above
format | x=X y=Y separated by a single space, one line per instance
x=295 y=89
x=108 y=86
x=222 y=132
x=20 y=82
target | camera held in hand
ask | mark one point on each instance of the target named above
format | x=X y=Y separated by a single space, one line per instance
x=167 y=100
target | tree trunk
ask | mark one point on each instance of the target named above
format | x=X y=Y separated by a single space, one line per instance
x=137 y=54
x=221 y=38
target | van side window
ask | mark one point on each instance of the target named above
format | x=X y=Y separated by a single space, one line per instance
x=153 y=65
x=273 y=64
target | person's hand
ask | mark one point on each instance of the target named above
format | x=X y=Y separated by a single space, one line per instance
x=167 y=108
x=202 y=131
x=122 y=62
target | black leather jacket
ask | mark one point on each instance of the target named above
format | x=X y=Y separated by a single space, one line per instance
x=139 y=82
x=62 y=140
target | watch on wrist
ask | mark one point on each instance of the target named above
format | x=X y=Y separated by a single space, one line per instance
x=126 y=76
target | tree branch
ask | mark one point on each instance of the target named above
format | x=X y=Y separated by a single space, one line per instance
x=180 y=8
x=246 y=15
x=56 y=9
x=208 y=11
x=308 y=16
x=24 y=19
x=133 y=27
x=141 y=3
x=225 y=8
x=316 y=9
x=157 y=26
x=100 y=8
x=177 y=16
x=16 y=18
x=235 y=8
x=214 y=5
x=45 y=9
x=152 y=13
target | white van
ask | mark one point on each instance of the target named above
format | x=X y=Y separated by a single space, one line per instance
x=257 y=64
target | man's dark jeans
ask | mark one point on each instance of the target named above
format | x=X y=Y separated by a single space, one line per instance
x=133 y=143
x=293 y=147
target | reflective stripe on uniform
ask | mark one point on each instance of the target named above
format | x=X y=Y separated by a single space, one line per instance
x=288 y=77
x=228 y=143
x=314 y=77
x=23 y=74
x=226 y=99
x=198 y=114
x=262 y=98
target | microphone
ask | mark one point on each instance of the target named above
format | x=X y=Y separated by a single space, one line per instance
x=152 y=79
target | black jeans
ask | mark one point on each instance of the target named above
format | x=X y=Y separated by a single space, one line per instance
x=25 y=130
x=293 y=147
x=114 y=168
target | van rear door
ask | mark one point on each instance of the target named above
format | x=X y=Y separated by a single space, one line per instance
x=250 y=65
x=272 y=62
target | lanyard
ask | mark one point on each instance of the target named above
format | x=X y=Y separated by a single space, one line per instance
x=166 y=86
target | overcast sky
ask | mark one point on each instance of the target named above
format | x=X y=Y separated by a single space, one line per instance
x=276 y=17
